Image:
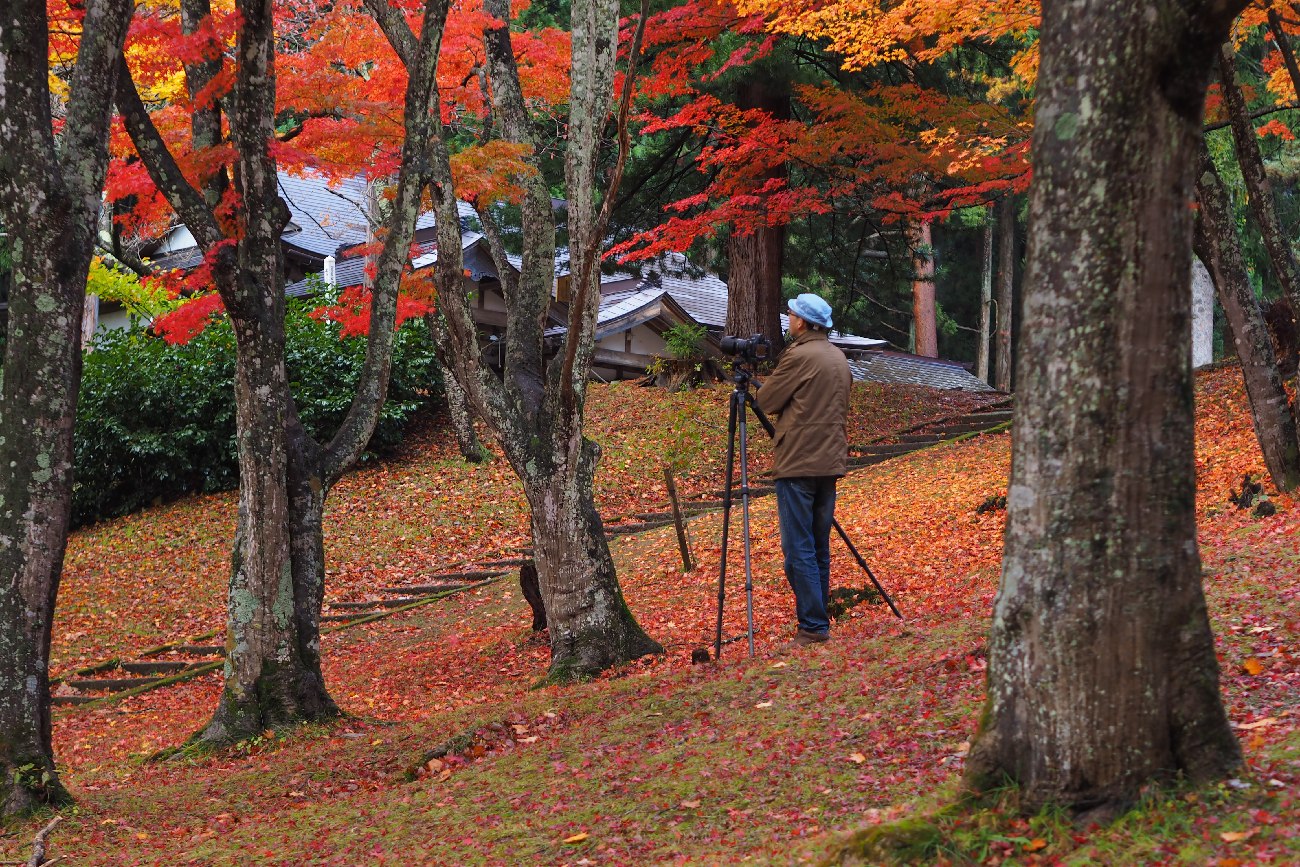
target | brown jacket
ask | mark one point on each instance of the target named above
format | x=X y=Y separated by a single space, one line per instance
x=807 y=397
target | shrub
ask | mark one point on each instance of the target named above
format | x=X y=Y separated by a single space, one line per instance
x=157 y=420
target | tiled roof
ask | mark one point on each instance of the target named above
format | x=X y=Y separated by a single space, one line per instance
x=703 y=295
x=327 y=215
x=902 y=369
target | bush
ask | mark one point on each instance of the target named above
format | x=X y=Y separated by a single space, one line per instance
x=157 y=420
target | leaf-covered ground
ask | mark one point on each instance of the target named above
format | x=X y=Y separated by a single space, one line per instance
x=771 y=759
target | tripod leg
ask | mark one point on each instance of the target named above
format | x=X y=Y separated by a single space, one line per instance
x=865 y=567
x=744 y=508
x=726 y=519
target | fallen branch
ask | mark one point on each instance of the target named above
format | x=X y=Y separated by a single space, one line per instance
x=38 y=845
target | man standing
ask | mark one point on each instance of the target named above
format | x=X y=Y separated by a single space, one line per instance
x=808 y=398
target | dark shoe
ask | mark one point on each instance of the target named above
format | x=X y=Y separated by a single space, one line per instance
x=803 y=637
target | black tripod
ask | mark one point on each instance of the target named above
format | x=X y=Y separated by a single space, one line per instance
x=736 y=426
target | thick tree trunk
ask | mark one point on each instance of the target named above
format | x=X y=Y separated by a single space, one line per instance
x=1217 y=244
x=42 y=367
x=1003 y=366
x=755 y=261
x=49 y=205
x=986 y=299
x=269 y=682
x=591 y=626
x=754 y=266
x=1102 y=672
x=925 y=326
x=1260 y=190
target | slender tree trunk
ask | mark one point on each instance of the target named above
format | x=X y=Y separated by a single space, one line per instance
x=458 y=407
x=49 y=205
x=923 y=302
x=1006 y=292
x=536 y=408
x=1218 y=246
x=1284 y=46
x=986 y=299
x=1260 y=190
x=273 y=670
x=755 y=261
x=1102 y=672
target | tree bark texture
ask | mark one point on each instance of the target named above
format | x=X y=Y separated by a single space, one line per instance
x=1102 y=672
x=49 y=205
x=923 y=302
x=273 y=667
x=1006 y=304
x=1219 y=247
x=755 y=261
x=459 y=411
x=986 y=299
x=754 y=266
x=1258 y=186
x=535 y=409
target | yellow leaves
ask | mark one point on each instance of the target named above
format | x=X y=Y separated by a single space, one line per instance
x=1253 y=666
x=1258 y=724
x=857 y=758
x=1035 y=844
x=911 y=30
x=1238 y=836
x=577 y=838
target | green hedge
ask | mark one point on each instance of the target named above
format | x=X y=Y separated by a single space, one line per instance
x=157 y=420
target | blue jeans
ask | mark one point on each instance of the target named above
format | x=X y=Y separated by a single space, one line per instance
x=806 y=507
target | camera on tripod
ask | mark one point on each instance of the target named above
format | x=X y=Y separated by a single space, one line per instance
x=750 y=350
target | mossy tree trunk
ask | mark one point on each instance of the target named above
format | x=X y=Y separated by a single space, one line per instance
x=273 y=674
x=1102 y=673
x=535 y=408
x=49 y=207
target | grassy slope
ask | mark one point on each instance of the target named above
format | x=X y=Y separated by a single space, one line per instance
x=771 y=758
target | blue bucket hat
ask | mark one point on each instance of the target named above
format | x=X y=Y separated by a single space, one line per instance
x=811 y=308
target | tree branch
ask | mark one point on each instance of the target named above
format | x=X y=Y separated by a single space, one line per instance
x=161 y=165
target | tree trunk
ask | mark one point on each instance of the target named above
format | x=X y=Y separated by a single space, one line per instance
x=1219 y=247
x=1101 y=665
x=535 y=409
x=1006 y=292
x=986 y=299
x=1258 y=187
x=755 y=261
x=265 y=669
x=754 y=266
x=49 y=204
x=591 y=626
x=273 y=668
x=458 y=409
x=923 y=303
